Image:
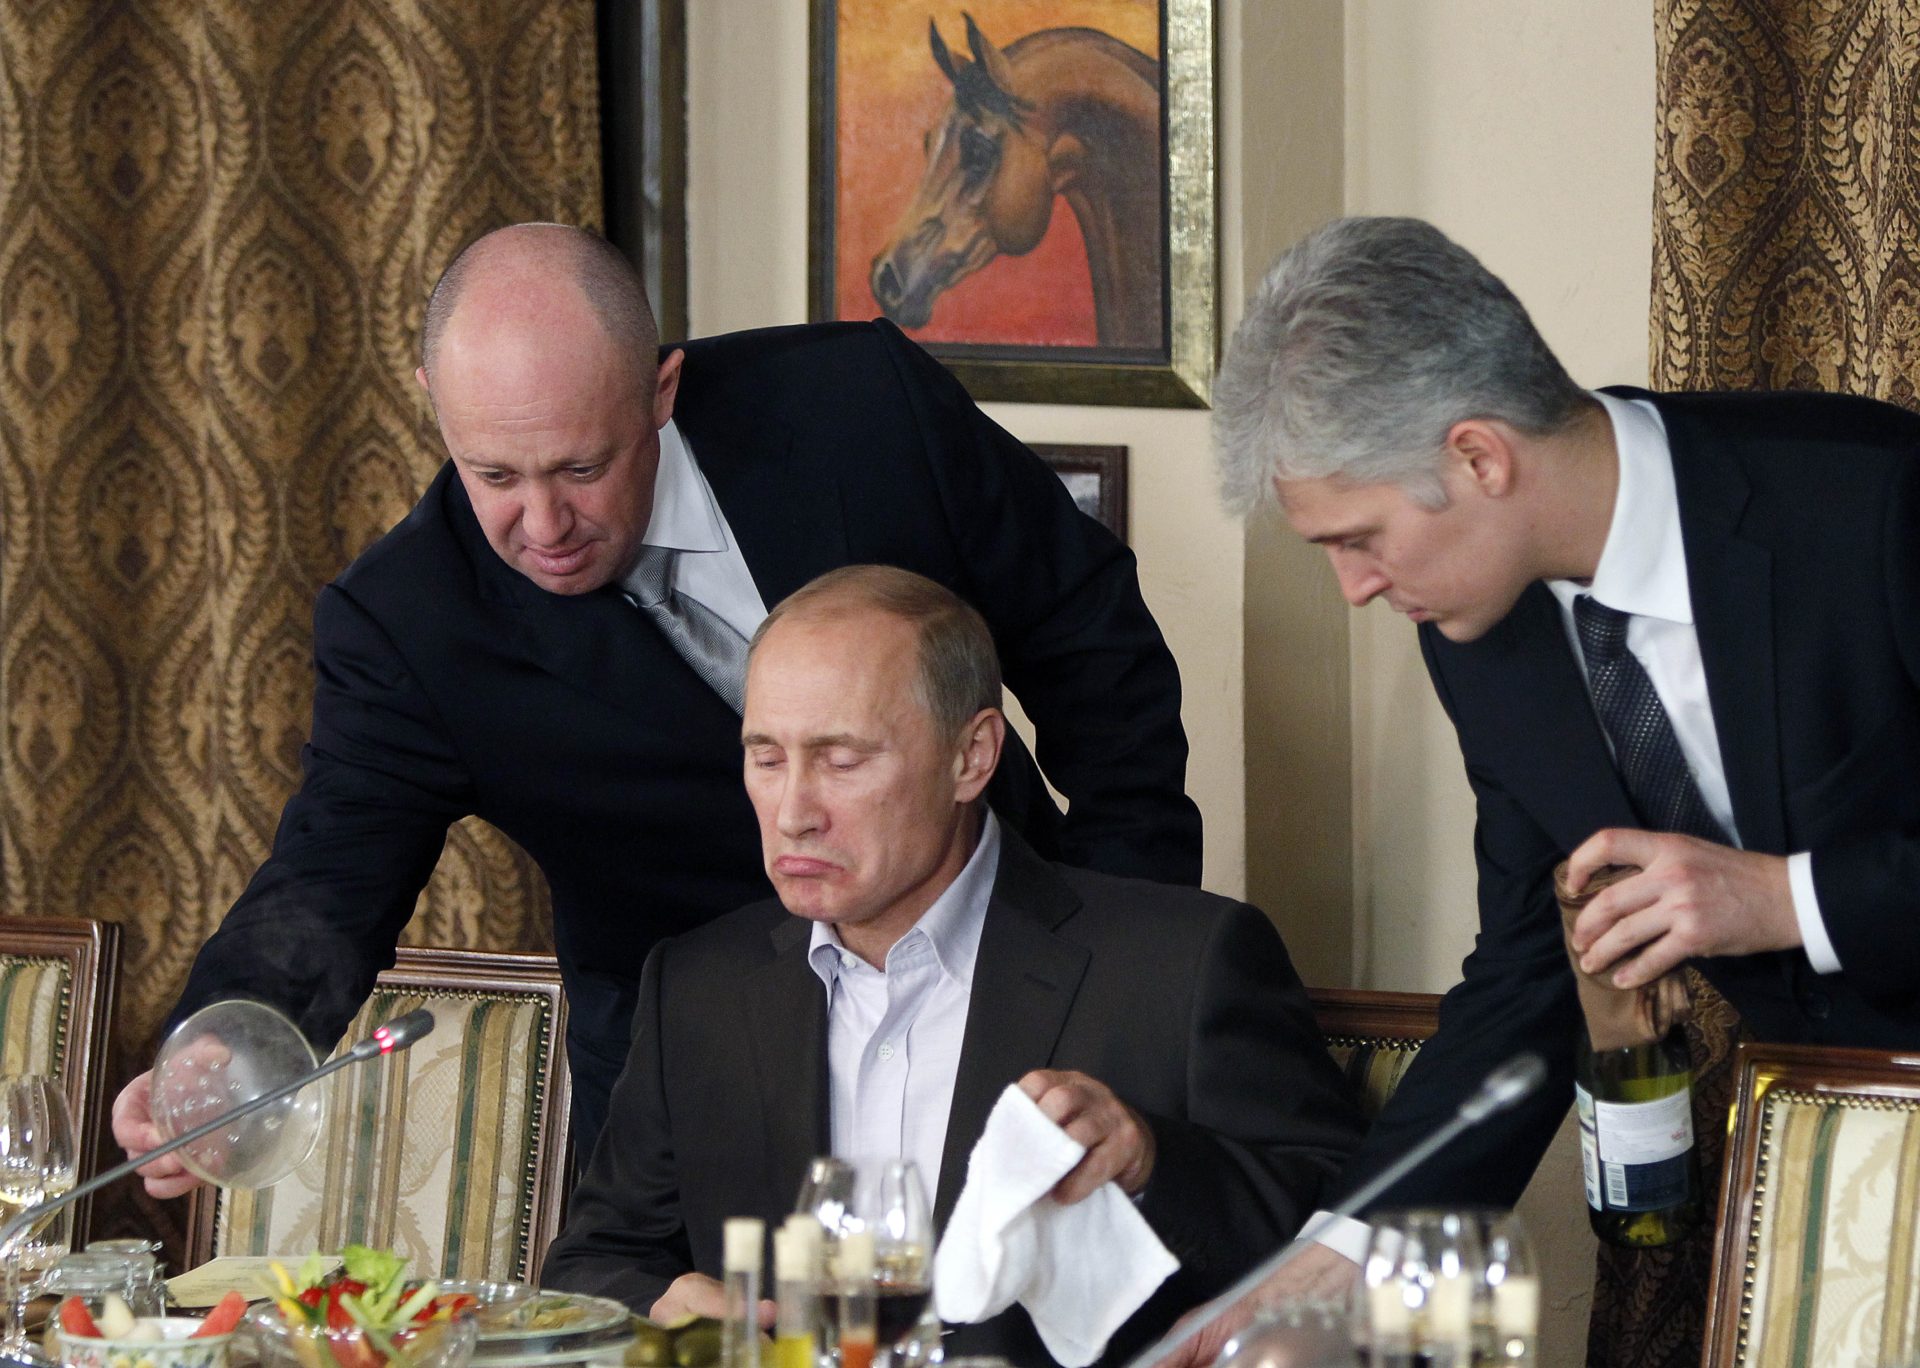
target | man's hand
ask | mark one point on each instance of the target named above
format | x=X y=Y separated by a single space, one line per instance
x=1316 y=1273
x=1691 y=898
x=695 y=1294
x=134 y=1132
x=1119 y=1144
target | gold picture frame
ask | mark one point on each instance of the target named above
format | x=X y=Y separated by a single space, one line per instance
x=917 y=108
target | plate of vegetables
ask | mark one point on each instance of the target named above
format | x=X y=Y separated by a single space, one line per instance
x=364 y=1313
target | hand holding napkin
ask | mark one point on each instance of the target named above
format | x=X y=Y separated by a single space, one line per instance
x=1079 y=1270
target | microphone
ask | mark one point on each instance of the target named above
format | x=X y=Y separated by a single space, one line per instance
x=397 y=1034
x=1503 y=1087
x=1498 y=1091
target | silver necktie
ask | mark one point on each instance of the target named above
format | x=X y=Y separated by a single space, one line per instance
x=702 y=637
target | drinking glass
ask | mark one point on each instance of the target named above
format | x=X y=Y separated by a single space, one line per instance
x=1418 y=1288
x=1511 y=1307
x=826 y=1192
x=37 y=1161
x=890 y=1200
x=1306 y=1332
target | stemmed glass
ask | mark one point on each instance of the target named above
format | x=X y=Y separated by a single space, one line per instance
x=826 y=1192
x=37 y=1161
x=1424 y=1273
x=1510 y=1310
x=891 y=1201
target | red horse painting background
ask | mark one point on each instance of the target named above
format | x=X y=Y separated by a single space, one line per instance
x=999 y=171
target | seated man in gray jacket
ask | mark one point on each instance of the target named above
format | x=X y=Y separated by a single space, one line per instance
x=1162 y=1028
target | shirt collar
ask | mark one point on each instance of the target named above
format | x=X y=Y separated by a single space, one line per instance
x=1643 y=566
x=685 y=515
x=951 y=926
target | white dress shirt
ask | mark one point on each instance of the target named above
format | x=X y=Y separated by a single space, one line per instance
x=894 y=1034
x=1643 y=572
x=687 y=518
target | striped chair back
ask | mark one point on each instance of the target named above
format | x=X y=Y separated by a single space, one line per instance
x=1374 y=1036
x=453 y=1153
x=57 y=982
x=1818 y=1254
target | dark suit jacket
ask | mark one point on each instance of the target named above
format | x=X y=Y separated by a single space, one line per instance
x=1800 y=515
x=1184 y=1003
x=450 y=684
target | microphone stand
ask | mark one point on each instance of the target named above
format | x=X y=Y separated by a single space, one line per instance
x=397 y=1034
x=1500 y=1090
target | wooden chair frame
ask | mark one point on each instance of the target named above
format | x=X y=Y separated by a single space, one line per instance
x=436 y=970
x=91 y=950
x=1363 y=1014
x=1761 y=1069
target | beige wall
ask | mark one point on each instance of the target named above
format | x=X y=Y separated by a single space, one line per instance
x=1524 y=130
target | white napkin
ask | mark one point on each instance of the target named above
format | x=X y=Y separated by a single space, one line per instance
x=1080 y=1270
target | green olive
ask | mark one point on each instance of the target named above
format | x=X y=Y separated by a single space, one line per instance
x=698 y=1346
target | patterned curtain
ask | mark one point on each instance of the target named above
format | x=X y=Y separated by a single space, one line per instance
x=219 y=220
x=1787 y=206
x=1786 y=256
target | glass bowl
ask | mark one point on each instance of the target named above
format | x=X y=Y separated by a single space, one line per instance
x=174 y=1349
x=431 y=1344
x=225 y=1054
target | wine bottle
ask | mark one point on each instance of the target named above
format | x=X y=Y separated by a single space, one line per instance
x=1636 y=1141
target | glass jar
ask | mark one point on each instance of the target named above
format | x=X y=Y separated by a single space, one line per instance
x=150 y=1287
x=92 y=1275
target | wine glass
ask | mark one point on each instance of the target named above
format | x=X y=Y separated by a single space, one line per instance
x=826 y=1192
x=1511 y=1308
x=890 y=1200
x=1418 y=1288
x=37 y=1162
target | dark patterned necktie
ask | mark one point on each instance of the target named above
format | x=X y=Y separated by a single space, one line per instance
x=1644 y=747
x=701 y=636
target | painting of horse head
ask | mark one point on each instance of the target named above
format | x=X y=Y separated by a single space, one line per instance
x=1067 y=115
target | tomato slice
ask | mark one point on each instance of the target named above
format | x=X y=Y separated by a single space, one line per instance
x=75 y=1319
x=224 y=1317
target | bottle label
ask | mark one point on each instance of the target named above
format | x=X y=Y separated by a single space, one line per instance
x=1634 y=1154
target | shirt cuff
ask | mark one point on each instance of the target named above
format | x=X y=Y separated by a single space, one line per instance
x=1342 y=1234
x=1806 y=910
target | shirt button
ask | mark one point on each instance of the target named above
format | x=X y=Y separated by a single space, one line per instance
x=886 y=1050
x=846 y=959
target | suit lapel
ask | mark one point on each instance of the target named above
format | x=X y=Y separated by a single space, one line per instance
x=787 y=1014
x=1024 y=982
x=1566 y=772
x=1730 y=581
x=783 y=509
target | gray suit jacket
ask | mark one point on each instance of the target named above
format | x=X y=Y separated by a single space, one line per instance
x=1184 y=1003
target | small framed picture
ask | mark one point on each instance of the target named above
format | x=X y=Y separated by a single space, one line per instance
x=1096 y=477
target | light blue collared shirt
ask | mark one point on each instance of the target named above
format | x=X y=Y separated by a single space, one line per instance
x=894 y=1034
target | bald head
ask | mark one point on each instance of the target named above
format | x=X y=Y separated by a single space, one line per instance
x=531 y=269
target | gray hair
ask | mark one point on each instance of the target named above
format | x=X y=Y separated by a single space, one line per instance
x=959 y=672
x=1363 y=346
x=598 y=269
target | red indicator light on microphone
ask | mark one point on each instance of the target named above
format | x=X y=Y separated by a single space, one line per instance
x=385 y=1039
